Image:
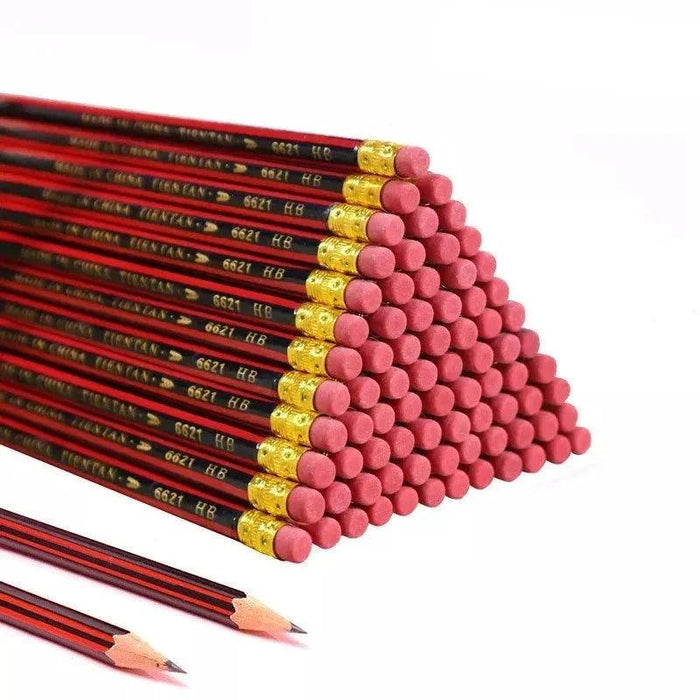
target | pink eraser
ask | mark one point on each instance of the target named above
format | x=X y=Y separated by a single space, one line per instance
x=363 y=296
x=460 y=274
x=444 y=460
x=434 y=340
x=494 y=441
x=387 y=322
x=364 y=392
x=419 y=314
x=463 y=333
x=350 y=330
x=481 y=474
x=452 y=216
x=473 y=301
x=456 y=485
x=422 y=375
x=485 y=265
x=520 y=433
x=353 y=522
x=407 y=408
x=337 y=498
x=426 y=281
x=481 y=417
x=365 y=488
x=331 y=398
x=409 y=255
x=530 y=400
x=449 y=367
x=434 y=189
x=533 y=458
x=497 y=292
x=391 y=478
x=447 y=306
x=455 y=426
x=469 y=449
x=406 y=349
x=580 y=440
x=305 y=505
x=411 y=162
x=467 y=392
x=315 y=470
x=545 y=425
x=401 y=441
x=405 y=500
x=399 y=197
x=558 y=449
x=380 y=513
x=529 y=343
x=438 y=401
x=421 y=223
x=292 y=544
x=427 y=433
x=513 y=315
x=376 y=262
x=478 y=358
x=541 y=368
x=375 y=453
x=396 y=289
x=515 y=376
x=327 y=434
x=348 y=462
x=325 y=533
x=432 y=492
x=504 y=407
x=385 y=229
x=469 y=241
x=377 y=356
x=416 y=469
x=343 y=363
x=383 y=417
x=556 y=392
x=441 y=249
x=394 y=383
x=567 y=415
x=491 y=382
x=507 y=466
x=359 y=426
x=506 y=348
x=489 y=323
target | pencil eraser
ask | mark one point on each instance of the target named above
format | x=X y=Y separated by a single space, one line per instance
x=507 y=466
x=391 y=478
x=504 y=408
x=432 y=492
x=478 y=358
x=405 y=500
x=401 y=441
x=363 y=296
x=460 y=274
x=353 y=522
x=315 y=470
x=376 y=262
x=292 y=544
x=331 y=398
x=351 y=330
x=469 y=241
x=365 y=488
x=558 y=449
x=456 y=485
x=419 y=314
x=481 y=474
x=337 y=498
x=481 y=417
x=327 y=434
x=530 y=400
x=359 y=426
x=434 y=189
x=343 y=363
x=496 y=291
x=396 y=289
x=434 y=340
x=580 y=440
x=455 y=426
x=467 y=392
x=441 y=249
x=449 y=367
x=426 y=281
x=489 y=323
x=416 y=469
x=533 y=458
x=529 y=343
x=452 y=216
x=387 y=322
x=407 y=408
x=348 y=462
x=411 y=162
x=494 y=440
x=521 y=433
x=485 y=265
x=409 y=255
x=506 y=348
x=385 y=229
x=325 y=533
x=364 y=392
x=514 y=375
x=545 y=425
x=438 y=401
x=567 y=415
x=305 y=505
x=377 y=356
x=447 y=306
x=422 y=375
x=406 y=349
x=399 y=197
x=427 y=433
x=383 y=417
x=491 y=382
x=380 y=512
x=444 y=460
x=421 y=223
x=556 y=392
x=513 y=315
x=394 y=383
x=541 y=368
x=473 y=301
x=469 y=449
x=376 y=452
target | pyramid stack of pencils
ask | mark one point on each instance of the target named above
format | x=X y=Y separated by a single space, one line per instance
x=282 y=337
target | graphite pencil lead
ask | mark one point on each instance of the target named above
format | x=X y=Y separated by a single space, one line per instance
x=173 y=668
x=297 y=630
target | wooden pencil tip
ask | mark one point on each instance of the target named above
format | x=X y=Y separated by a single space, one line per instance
x=174 y=668
x=250 y=615
x=297 y=630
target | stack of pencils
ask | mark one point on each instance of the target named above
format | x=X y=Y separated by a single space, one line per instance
x=282 y=337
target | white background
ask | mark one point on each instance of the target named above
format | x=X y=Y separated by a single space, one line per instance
x=571 y=131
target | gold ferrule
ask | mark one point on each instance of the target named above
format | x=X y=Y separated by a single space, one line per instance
x=280 y=457
x=349 y=221
x=327 y=287
x=378 y=157
x=309 y=355
x=269 y=493
x=317 y=320
x=364 y=190
x=258 y=530
x=292 y=423
x=339 y=254
x=299 y=389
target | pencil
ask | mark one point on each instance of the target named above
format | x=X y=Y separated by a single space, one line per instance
x=179 y=589
x=260 y=531
x=88 y=635
x=371 y=156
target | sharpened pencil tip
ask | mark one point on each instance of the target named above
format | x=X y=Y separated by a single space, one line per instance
x=297 y=630
x=174 y=668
